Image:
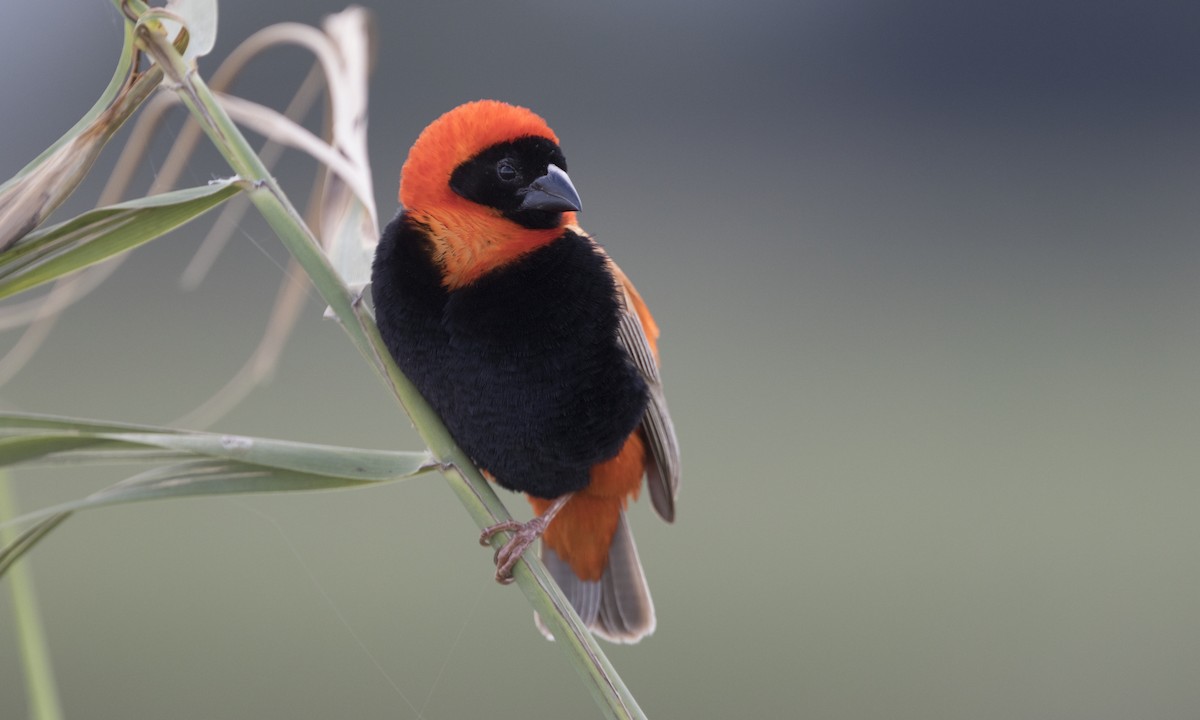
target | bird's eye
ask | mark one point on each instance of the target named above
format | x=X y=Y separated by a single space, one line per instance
x=505 y=170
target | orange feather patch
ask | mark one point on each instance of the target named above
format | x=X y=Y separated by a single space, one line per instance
x=582 y=531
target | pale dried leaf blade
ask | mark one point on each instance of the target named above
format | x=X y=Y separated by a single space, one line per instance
x=272 y=124
x=350 y=225
x=102 y=233
x=29 y=202
x=348 y=215
x=345 y=224
x=119 y=79
x=200 y=17
x=28 y=198
x=310 y=90
x=352 y=37
x=348 y=233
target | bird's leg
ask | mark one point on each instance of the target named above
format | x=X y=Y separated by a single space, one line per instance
x=523 y=536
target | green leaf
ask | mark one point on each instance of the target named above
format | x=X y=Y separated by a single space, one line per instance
x=337 y=462
x=215 y=465
x=29 y=438
x=24 y=422
x=102 y=233
x=188 y=479
x=15 y=450
x=197 y=478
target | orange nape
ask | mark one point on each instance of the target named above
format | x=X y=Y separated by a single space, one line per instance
x=582 y=531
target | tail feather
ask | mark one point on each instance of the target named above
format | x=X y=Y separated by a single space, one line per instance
x=618 y=608
x=626 y=611
x=584 y=596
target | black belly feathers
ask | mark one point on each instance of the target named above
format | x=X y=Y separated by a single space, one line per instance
x=523 y=364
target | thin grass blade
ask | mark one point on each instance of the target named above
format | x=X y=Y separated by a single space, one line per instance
x=28 y=422
x=188 y=479
x=27 y=438
x=21 y=544
x=23 y=449
x=344 y=464
x=196 y=478
x=40 y=686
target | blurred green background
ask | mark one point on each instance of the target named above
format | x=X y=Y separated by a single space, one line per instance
x=927 y=276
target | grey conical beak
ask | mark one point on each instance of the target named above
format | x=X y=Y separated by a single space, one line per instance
x=552 y=191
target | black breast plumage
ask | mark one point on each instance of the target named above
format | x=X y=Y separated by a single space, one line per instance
x=523 y=364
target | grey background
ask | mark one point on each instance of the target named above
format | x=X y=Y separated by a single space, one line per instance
x=927 y=278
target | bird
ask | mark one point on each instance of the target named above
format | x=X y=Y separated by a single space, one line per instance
x=535 y=349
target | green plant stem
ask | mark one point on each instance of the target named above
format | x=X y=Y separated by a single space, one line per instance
x=31 y=636
x=472 y=489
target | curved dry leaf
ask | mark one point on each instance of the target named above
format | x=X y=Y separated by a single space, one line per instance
x=272 y=124
x=349 y=224
x=200 y=18
x=28 y=198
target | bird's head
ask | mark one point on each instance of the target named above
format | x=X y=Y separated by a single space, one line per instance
x=489 y=181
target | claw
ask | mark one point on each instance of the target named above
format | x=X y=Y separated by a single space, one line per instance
x=485 y=537
x=523 y=535
x=508 y=554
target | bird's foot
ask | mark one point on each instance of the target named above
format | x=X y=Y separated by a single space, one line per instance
x=523 y=535
x=507 y=555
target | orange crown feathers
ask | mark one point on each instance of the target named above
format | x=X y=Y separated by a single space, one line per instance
x=456 y=137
